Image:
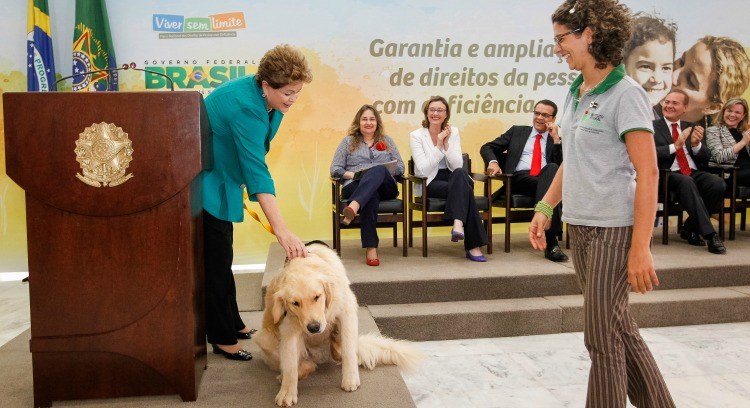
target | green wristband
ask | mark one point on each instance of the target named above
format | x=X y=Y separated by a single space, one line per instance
x=544 y=208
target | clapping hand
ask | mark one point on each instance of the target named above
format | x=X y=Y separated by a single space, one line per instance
x=443 y=136
x=746 y=137
x=697 y=136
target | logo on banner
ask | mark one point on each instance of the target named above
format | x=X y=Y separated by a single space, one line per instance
x=216 y=25
x=194 y=77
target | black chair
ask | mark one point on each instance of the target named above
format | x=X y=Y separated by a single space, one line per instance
x=738 y=197
x=432 y=209
x=391 y=213
x=518 y=207
x=738 y=202
x=670 y=207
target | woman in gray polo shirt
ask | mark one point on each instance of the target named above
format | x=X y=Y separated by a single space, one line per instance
x=607 y=138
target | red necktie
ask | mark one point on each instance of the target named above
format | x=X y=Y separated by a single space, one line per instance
x=536 y=157
x=681 y=157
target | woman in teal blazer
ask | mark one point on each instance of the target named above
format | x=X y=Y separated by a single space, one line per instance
x=245 y=114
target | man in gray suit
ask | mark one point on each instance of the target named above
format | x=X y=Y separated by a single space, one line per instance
x=532 y=154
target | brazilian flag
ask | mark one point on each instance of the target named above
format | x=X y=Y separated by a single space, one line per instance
x=40 y=67
x=93 y=53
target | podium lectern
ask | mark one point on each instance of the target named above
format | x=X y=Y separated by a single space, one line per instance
x=115 y=241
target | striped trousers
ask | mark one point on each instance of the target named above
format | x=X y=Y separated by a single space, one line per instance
x=621 y=363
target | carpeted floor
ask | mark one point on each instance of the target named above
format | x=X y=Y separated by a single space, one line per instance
x=225 y=383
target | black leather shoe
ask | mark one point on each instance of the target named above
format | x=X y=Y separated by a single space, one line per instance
x=246 y=336
x=241 y=355
x=555 y=254
x=715 y=246
x=692 y=238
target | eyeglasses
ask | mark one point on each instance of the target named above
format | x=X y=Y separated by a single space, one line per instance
x=558 y=38
x=544 y=115
x=436 y=110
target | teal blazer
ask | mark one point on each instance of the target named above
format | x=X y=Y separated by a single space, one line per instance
x=242 y=132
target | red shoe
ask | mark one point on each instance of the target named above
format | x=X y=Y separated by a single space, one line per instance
x=372 y=262
x=349 y=215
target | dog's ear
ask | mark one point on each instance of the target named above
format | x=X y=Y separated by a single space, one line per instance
x=278 y=308
x=329 y=293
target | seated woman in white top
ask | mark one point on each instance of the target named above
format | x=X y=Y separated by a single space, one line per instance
x=436 y=150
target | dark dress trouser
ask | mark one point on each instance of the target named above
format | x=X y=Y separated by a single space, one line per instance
x=700 y=194
x=457 y=188
x=537 y=186
x=376 y=185
x=223 y=319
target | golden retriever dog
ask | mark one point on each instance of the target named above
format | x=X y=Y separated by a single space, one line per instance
x=311 y=318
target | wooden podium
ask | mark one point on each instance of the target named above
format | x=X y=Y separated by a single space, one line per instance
x=115 y=239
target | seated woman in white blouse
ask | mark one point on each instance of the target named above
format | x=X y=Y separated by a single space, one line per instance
x=436 y=150
x=729 y=140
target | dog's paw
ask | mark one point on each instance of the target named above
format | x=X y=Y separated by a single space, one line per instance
x=286 y=398
x=350 y=383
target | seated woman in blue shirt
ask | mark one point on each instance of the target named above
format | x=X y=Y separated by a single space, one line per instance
x=365 y=147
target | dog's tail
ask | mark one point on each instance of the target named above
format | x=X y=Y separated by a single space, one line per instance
x=374 y=349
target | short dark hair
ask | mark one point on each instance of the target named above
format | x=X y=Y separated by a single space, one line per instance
x=549 y=103
x=609 y=20
x=681 y=92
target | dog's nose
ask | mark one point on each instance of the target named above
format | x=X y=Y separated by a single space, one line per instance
x=313 y=327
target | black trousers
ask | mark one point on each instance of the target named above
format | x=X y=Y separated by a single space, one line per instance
x=537 y=186
x=700 y=194
x=457 y=188
x=223 y=319
x=376 y=185
x=743 y=177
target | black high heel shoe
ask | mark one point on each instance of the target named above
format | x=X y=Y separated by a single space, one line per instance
x=246 y=336
x=241 y=355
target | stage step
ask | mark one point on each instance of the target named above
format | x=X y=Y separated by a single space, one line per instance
x=445 y=296
x=555 y=314
x=446 y=276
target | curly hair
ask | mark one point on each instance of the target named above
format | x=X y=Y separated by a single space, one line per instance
x=283 y=65
x=609 y=20
x=426 y=107
x=356 y=134
x=719 y=119
x=649 y=28
x=732 y=65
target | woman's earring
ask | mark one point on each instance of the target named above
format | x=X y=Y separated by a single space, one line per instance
x=263 y=95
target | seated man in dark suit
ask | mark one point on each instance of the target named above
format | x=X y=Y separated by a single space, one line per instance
x=679 y=148
x=533 y=167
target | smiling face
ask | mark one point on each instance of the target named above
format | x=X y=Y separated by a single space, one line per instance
x=543 y=115
x=436 y=113
x=368 y=124
x=573 y=46
x=283 y=98
x=673 y=106
x=651 y=66
x=695 y=75
x=733 y=115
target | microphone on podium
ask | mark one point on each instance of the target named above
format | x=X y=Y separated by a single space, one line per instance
x=123 y=68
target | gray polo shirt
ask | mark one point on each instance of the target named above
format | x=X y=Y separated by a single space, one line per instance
x=599 y=179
